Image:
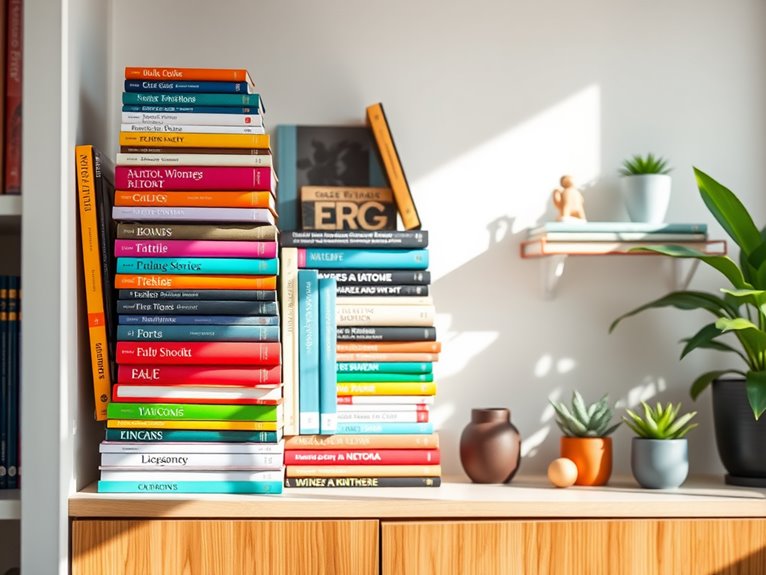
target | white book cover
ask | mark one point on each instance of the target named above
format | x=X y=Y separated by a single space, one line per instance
x=191 y=447
x=288 y=283
x=178 y=128
x=201 y=461
x=227 y=160
x=380 y=417
x=147 y=475
x=192 y=119
x=385 y=315
x=385 y=300
x=197 y=392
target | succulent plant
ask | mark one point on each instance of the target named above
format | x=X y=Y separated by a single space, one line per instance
x=650 y=164
x=584 y=420
x=660 y=422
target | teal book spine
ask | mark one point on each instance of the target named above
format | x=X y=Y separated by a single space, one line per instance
x=183 y=435
x=308 y=351
x=287 y=198
x=328 y=383
x=5 y=374
x=357 y=377
x=190 y=487
x=12 y=401
x=384 y=428
x=193 y=266
x=383 y=259
x=199 y=412
x=188 y=99
x=198 y=333
x=384 y=367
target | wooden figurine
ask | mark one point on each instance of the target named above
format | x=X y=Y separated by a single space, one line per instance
x=569 y=201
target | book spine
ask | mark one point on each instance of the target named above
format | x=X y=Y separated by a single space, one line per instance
x=213 y=294
x=386 y=388
x=288 y=286
x=202 y=198
x=328 y=396
x=199 y=353
x=192 y=99
x=388 y=367
x=194 y=86
x=405 y=239
x=13 y=95
x=383 y=290
x=340 y=482
x=186 y=119
x=150 y=139
x=192 y=129
x=246 y=215
x=194 y=178
x=287 y=199
x=376 y=118
x=392 y=377
x=347 y=417
x=12 y=399
x=197 y=394
x=182 y=412
x=192 y=461
x=5 y=380
x=191 y=447
x=223 y=307
x=388 y=356
x=308 y=351
x=377 y=346
x=391 y=405
x=230 y=487
x=199 y=248
x=375 y=400
x=362 y=457
x=264 y=320
x=378 y=277
x=178 y=74
x=173 y=282
x=176 y=435
x=217 y=110
x=256 y=333
x=318 y=258
x=190 y=475
x=196 y=232
x=385 y=315
x=93 y=284
x=198 y=375
x=224 y=160
x=374 y=333
x=393 y=428
x=363 y=470
x=360 y=441
x=210 y=424
x=203 y=266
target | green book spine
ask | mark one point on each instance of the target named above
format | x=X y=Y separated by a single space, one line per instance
x=384 y=366
x=193 y=412
x=367 y=377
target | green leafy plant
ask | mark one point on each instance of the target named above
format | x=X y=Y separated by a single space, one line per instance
x=649 y=164
x=583 y=420
x=660 y=422
x=740 y=309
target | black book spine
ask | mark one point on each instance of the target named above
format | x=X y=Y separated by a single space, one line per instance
x=362 y=482
x=384 y=290
x=407 y=239
x=219 y=294
x=12 y=400
x=378 y=277
x=5 y=373
x=214 y=307
x=347 y=333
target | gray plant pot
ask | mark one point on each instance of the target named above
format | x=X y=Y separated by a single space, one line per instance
x=646 y=196
x=659 y=463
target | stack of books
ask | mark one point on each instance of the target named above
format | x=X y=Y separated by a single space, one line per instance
x=197 y=406
x=365 y=421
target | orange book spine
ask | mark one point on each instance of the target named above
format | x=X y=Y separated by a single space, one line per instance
x=187 y=140
x=206 y=198
x=91 y=259
x=362 y=441
x=376 y=118
x=206 y=74
x=388 y=346
x=387 y=356
x=363 y=470
x=151 y=281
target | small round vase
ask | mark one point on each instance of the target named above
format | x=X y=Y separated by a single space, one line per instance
x=659 y=463
x=490 y=446
x=592 y=456
x=646 y=196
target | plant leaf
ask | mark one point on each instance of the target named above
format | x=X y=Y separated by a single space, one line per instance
x=679 y=423
x=611 y=429
x=685 y=300
x=756 y=391
x=699 y=384
x=681 y=434
x=702 y=337
x=752 y=338
x=579 y=409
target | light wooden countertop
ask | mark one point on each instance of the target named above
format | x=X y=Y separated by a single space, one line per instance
x=523 y=498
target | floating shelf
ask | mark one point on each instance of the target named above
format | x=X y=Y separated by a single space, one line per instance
x=10 y=504
x=10 y=214
x=554 y=256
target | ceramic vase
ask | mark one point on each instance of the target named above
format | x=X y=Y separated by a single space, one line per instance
x=646 y=197
x=659 y=463
x=490 y=446
x=592 y=456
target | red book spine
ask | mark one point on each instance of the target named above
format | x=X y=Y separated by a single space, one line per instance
x=13 y=67
x=192 y=178
x=198 y=353
x=199 y=375
x=362 y=457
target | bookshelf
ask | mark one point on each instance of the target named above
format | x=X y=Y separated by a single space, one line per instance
x=10 y=505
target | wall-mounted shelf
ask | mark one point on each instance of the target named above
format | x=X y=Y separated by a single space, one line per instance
x=10 y=504
x=10 y=214
x=554 y=255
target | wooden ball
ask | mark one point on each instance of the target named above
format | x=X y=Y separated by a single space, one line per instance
x=562 y=472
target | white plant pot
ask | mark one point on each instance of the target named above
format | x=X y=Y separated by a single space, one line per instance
x=646 y=197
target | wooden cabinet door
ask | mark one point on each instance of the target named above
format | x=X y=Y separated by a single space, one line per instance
x=224 y=547
x=592 y=547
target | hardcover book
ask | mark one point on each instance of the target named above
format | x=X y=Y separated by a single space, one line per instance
x=197 y=86
x=346 y=208
x=159 y=231
x=178 y=74
x=407 y=239
x=166 y=179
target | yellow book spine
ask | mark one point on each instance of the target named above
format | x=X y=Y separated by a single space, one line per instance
x=179 y=140
x=363 y=470
x=99 y=354
x=388 y=388
x=187 y=424
x=131 y=281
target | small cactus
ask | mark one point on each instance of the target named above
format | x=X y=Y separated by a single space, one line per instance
x=660 y=422
x=584 y=421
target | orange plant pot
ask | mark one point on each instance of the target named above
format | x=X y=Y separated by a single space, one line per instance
x=592 y=456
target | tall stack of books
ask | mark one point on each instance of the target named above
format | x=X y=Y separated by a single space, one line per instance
x=373 y=427
x=197 y=404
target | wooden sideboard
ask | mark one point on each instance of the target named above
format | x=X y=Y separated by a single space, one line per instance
x=459 y=528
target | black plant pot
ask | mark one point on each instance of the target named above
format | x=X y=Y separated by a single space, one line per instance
x=741 y=440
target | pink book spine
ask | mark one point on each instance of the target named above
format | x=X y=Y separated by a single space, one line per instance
x=199 y=353
x=362 y=457
x=199 y=375
x=194 y=248
x=192 y=178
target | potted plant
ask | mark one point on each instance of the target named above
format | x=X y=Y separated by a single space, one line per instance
x=645 y=186
x=739 y=310
x=585 y=441
x=659 y=455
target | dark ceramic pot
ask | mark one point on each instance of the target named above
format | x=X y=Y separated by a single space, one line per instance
x=741 y=440
x=490 y=446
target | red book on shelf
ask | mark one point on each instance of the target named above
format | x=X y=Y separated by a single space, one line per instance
x=199 y=375
x=13 y=67
x=199 y=353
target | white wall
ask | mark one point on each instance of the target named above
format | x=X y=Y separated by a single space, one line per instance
x=491 y=102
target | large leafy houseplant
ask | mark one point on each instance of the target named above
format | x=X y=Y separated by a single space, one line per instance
x=739 y=308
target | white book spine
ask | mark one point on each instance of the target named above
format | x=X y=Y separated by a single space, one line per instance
x=254 y=461
x=288 y=278
x=232 y=160
x=147 y=475
x=191 y=447
x=195 y=392
x=380 y=417
x=385 y=315
x=192 y=119
x=178 y=128
x=385 y=300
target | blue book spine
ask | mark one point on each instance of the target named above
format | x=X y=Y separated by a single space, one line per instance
x=5 y=374
x=183 y=435
x=191 y=99
x=12 y=406
x=201 y=333
x=384 y=428
x=194 y=266
x=328 y=384
x=192 y=109
x=328 y=258
x=196 y=307
x=384 y=367
x=189 y=486
x=198 y=319
x=187 y=86
x=308 y=351
x=287 y=198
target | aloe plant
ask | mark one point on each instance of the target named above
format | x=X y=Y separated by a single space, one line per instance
x=660 y=422
x=739 y=309
x=583 y=420
x=640 y=165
